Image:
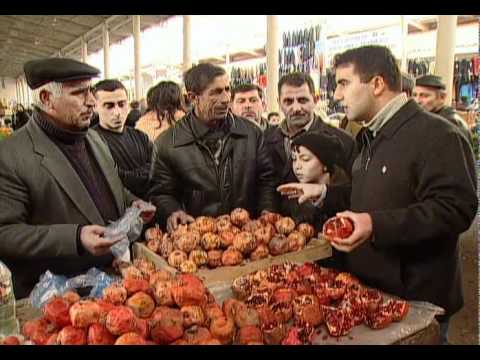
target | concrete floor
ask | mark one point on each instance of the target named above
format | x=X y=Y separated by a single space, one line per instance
x=465 y=324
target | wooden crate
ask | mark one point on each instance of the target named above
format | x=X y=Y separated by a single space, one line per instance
x=315 y=250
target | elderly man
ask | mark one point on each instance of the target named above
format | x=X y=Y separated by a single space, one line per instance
x=58 y=183
x=131 y=149
x=211 y=161
x=248 y=102
x=413 y=190
x=429 y=93
x=296 y=93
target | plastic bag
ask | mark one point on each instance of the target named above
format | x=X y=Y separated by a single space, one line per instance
x=130 y=226
x=51 y=285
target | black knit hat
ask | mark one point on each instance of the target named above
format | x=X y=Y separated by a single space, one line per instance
x=42 y=71
x=325 y=146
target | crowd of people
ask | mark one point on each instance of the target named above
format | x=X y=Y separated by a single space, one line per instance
x=401 y=167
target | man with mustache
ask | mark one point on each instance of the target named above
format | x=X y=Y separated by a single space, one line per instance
x=248 y=102
x=296 y=93
x=211 y=161
x=57 y=179
x=131 y=149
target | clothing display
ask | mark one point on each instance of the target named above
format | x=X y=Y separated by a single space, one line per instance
x=299 y=49
x=249 y=75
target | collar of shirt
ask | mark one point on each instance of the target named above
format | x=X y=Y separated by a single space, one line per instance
x=284 y=128
x=386 y=113
x=201 y=129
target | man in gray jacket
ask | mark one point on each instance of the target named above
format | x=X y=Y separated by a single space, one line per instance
x=57 y=179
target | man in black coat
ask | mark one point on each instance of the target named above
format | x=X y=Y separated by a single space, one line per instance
x=429 y=93
x=211 y=161
x=296 y=93
x=131 y=149
x=413 y=189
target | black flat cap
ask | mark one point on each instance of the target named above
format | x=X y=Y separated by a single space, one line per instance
x=326 y=147
x=430 y=81
x=42 y=71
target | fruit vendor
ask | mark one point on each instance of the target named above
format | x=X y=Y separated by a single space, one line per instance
x=58 y=184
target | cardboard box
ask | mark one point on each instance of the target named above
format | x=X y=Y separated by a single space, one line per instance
x=316 y=249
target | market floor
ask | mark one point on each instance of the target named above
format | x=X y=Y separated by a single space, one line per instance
x=464 y=325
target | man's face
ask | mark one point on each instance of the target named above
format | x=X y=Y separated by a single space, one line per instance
x=355 y=96
x=212 y=104
x=248 y=105
x=73 y=109
x=297 y=103
x=306 y=166
x=428 y=98
x=274 y=119
x=112 y=107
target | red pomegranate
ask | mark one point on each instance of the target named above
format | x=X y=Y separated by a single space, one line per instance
x=115 y=294
x=307 y=230
x=134 y=285
x=56 y=311
x=130 y=339
x=99 y=335
x=249 y=334
x=261 y=252
x=142 y=304
x=71 y=296
x=338 y=227
x=70 y=335
x=187 y=289
x=38 y=330
x=223 y=329
x=285 y=225
x=239 y=217
x=167 y=326
x=232 y=257
x=84 y=313
x=121 y=320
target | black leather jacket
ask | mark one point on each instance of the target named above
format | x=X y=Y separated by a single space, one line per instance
x=186 y=177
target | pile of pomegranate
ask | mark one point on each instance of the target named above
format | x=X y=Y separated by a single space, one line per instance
x=147 y=307
x=228 y=240
x=292 y=301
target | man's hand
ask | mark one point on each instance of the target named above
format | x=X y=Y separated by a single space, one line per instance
x=93 y=240
x=362 y=231
x=302 y=191
x=148 y=210
x=178 y=217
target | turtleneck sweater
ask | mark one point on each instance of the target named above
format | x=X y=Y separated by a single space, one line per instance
x=77 y=150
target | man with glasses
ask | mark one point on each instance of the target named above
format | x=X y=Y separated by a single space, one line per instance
x=57 y=179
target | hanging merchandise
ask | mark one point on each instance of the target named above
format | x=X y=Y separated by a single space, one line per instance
x=300 y=51
x=249 y=75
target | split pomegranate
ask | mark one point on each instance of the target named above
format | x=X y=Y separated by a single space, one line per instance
x=338 y=227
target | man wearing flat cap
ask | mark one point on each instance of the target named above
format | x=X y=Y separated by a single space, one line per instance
x=430 y=94
x=58 y=184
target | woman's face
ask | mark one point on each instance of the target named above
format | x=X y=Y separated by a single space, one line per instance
x=306 y=166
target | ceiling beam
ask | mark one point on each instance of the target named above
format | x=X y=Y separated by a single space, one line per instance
x=418 y=25
x=78 y=40
x=21 y=18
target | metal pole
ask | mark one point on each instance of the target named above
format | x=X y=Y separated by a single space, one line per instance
x=273 y=41
x=404 y=29
x=106 y=52
x=445 y=54
x=136 y=38
x=187 y=42
x=84 y=51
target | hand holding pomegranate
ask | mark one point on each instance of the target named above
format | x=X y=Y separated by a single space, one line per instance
x=362 y=231
x=177 y=218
